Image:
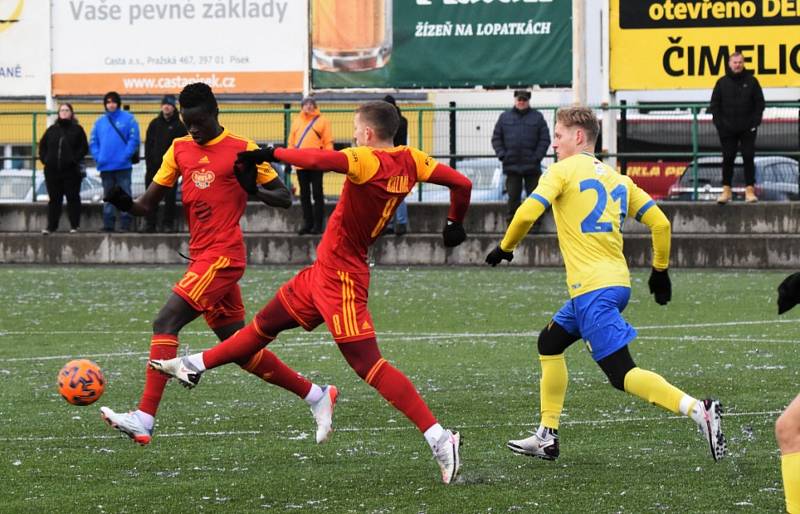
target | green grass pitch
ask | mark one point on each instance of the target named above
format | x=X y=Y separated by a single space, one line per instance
x=465 y=336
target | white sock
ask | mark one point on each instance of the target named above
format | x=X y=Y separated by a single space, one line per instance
x=314 y=395
x=196 y=360
x=147 y=420
x=689 y=407
x=433 y=434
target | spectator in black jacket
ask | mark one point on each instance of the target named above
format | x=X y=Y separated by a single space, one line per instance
x=162 y=130
x=61 y=150
x=520 y=140
x=737 y=104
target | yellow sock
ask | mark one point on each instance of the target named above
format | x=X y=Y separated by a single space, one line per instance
x=790 y=469
x=552 y=388
x=653 y=388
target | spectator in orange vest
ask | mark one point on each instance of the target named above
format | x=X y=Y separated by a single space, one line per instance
x=310 y=129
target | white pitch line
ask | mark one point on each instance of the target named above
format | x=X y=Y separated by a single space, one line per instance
x=703 y=339
x=482 y=426
x=400 y=337
x=389 y=334
x=721 y=324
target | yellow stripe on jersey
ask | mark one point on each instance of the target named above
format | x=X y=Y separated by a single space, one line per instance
x=590 y=200
x=348 y=305
x=201 y=285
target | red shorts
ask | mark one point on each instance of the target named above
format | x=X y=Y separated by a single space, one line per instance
x=211 y=286
x=339 y=298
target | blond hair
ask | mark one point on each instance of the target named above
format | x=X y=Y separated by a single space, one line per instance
x=582 y=117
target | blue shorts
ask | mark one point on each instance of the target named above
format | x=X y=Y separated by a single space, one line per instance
x=596 y=317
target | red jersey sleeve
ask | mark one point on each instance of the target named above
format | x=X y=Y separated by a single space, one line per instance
x=460 y=190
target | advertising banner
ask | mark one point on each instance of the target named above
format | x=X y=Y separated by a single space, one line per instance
x=673 y=44
x=154 y=47
x=441 y=43
x=24 y=47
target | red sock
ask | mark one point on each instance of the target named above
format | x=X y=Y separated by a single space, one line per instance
x=267 y=366
x=162 y=346
x=398 y=390
x=237 y=348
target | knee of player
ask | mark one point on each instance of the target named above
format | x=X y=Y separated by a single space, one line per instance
x=165 y=323
x=617 y=379
x=554 y=340
x=787 y=431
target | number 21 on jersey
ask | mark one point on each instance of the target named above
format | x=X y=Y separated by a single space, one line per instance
x=592 y=223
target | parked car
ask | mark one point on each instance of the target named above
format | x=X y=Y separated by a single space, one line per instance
x=15 y=186
x=91 y=191
x=777 y=179
x=486 y=174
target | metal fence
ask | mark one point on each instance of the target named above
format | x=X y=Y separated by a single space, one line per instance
x=658 y=134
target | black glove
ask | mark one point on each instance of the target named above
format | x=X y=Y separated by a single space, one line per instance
x=119 y=199
x=789 y=293
x=246 y=174
x=498 y=255
x=257 y=156
x=453 y=234
x=660 y=286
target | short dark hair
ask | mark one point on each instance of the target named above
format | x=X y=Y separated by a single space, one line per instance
x=199 y=94
x=582 y=117
x=381 y=116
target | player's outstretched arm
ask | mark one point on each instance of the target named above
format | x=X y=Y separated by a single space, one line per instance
x=313 y=158
x=789 y=293
x=460 y=187
x=661 y=231
x=141 y=206
x=275 y=194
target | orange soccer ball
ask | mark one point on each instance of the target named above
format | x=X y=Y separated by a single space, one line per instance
x=81 y=382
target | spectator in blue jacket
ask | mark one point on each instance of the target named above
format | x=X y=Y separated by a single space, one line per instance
x=520 y=140
x=114 y=143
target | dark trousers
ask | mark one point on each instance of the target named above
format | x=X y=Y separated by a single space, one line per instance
x=514 y=184
x=746 y=141
x=168 y=218
x=311 y=184
x=58 y=186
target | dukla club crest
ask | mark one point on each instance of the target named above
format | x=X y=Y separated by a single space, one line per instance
x=202 y=178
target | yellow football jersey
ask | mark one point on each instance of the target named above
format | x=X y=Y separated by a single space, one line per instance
x=590 y=200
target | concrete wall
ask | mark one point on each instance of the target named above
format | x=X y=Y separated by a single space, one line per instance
x=764 y=235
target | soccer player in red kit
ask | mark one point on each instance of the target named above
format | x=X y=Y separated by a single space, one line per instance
x=215 y=191
x=334 y=289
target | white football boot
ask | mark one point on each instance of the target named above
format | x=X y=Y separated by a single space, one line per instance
x=179 y=368
x=445 y=451
x=323 y=413
x=127 y=423
x=542 y=444
x=711 y=427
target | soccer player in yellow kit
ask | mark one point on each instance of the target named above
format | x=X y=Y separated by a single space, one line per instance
x=787 y=427
x=590 y=201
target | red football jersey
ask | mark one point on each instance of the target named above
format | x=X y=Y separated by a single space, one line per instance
x=213 y=200
x=377 y=180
